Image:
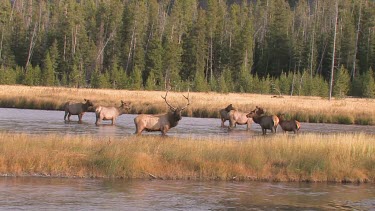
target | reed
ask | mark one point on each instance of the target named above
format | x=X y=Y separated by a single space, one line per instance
x=304 y=109
x=306 y=157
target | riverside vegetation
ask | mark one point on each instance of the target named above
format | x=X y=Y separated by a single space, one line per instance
x=306 y=157
x=304 y=109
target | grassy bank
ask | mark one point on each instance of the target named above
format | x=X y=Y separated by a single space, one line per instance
x=338 y=158
x=304 y=109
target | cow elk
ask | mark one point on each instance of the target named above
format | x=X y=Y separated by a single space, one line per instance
x=79 y=109
x=289 y=125
x=265 y=122
x=160 y=122
x=239 y=118
x=224 y=113
x=111 y=113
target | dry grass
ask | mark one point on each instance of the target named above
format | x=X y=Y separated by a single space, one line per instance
x=305 y=109
x=309 y=157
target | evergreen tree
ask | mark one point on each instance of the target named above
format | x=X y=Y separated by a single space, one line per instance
x=75 y=77
x=341 y=83
x=136 y=78
x=222 y=88
x=278 y=41
x=7 y=76
x=368 y=87
x=154 y=63
x=48 y=73
x=95 y=79
x=200 y=84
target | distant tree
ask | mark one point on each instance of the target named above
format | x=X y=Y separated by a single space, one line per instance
x=368 y=87
x=136 y=79
x=341 y=83
x=48 y=71
x=7 y=76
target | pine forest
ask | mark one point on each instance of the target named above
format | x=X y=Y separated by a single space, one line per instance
x=279 y=47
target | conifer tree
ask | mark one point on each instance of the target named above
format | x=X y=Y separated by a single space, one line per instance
x=48 y=71
x=136 y=77
x=341 y=83
x=368 y=87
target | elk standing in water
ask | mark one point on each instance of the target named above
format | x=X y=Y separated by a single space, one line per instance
x=289 y=125
x=161 y=122
x=224 y=114
x=111 y=113
x=265 y=122
x=239 y=118
x=76 y=109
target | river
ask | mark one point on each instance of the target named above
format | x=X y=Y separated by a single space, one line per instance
x=30 y=193
x=42 y=122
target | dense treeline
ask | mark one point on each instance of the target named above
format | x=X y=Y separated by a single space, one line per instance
x=264 y=46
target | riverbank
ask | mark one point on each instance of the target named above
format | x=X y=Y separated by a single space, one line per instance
x=304 y=109
x=306 y=157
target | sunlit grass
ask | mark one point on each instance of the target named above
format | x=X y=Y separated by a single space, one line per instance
x=306 y=157
x=304 y=109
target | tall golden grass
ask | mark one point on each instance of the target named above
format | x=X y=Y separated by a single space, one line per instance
x=304 y=109
x=307 y=157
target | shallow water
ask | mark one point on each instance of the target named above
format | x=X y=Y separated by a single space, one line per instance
x=42 y=122
x=89 y=194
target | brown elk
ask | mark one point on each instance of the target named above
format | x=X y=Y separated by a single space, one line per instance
x=224 y=113
x=289 y=125
x=161 y=122
x=79 y=109
x=111 y=113
x=239 y=118
x=265 y=122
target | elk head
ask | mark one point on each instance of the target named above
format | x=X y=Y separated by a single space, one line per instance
x=125 y=106
x=256 y=112
x=88 y=104
x=229 y=108
x=176 y=112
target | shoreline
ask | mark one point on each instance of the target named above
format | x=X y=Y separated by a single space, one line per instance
x=302 y=108
x=338 y=158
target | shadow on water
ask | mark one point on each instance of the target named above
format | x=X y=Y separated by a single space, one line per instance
x=91 y=194
x=41 y=122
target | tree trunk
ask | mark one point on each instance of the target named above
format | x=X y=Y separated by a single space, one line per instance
x=356 y=41
x=333 y=50
x=31 y=46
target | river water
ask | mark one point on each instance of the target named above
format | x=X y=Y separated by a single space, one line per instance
x=42 y=122
x=89 y=194
x=37 y=193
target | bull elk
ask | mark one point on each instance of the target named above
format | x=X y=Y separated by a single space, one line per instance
x=111 y=113
x=79 y=109
x=160 y=122
x=265 y=122
x=239 y=118
x=224 y=113
x=289 y=125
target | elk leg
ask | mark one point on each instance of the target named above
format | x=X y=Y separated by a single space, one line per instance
x=79 y=118
x=69 y=117
x=113 y=121
x=66 y=114
x=164 y=130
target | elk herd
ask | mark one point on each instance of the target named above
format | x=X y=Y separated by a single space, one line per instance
x=166 y=121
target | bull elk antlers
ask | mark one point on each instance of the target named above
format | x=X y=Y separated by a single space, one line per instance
x=173 y=108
